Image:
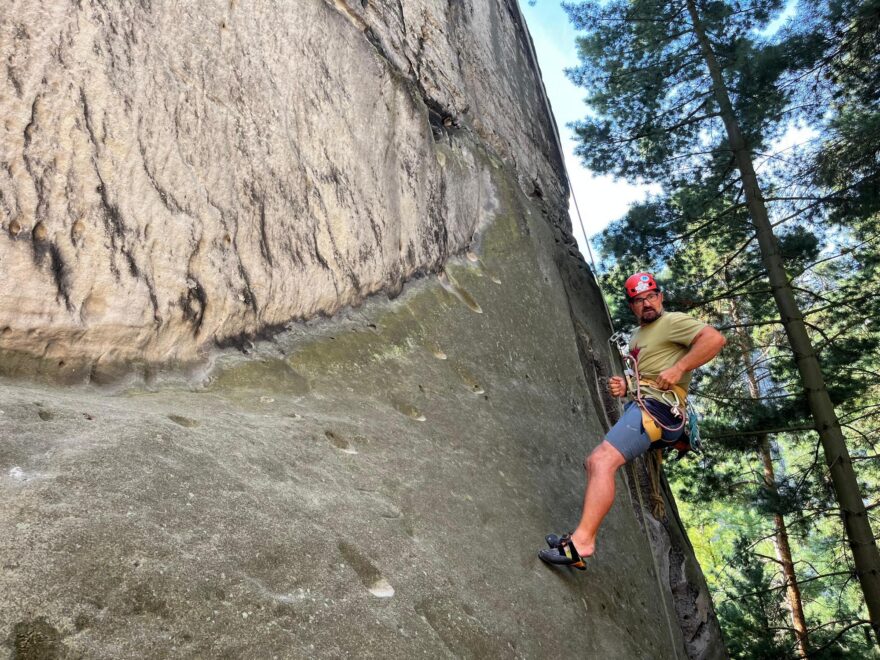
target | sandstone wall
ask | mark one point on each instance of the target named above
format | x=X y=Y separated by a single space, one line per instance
x=177 y=174
x=373 y=485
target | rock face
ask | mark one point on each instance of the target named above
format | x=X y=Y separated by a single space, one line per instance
x=181 y=179
x=375 y=485
x=180 y=174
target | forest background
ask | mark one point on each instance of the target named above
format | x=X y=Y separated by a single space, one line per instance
x=780 y=251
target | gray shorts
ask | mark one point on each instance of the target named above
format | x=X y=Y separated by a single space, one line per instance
x=628 y=435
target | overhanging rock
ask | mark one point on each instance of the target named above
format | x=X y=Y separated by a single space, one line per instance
x=175 y=175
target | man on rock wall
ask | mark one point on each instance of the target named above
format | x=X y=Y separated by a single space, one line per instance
x=664 y=350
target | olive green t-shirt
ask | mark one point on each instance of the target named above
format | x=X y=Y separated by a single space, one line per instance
x=663 y=343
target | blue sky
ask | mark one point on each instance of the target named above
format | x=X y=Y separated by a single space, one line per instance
x=601 y=199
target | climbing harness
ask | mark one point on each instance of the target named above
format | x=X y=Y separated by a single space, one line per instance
x=679 y=406
x=674 y=398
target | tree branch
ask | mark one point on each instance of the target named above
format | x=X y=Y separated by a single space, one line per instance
x=740 y=434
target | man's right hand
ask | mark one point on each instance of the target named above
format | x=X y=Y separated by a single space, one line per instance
x=617 y=386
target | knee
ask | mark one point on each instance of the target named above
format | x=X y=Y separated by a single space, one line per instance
x=603 y=458
x=594 y=462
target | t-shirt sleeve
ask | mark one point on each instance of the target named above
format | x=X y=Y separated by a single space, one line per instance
x=683 y=328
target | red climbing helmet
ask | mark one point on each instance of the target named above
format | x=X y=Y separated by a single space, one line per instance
x=639 y=283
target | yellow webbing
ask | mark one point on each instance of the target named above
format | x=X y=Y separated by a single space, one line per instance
x=651 y=427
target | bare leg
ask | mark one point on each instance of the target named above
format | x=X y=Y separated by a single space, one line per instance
x=602 y=464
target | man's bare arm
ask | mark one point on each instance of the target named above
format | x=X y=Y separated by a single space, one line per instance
x=705 y=346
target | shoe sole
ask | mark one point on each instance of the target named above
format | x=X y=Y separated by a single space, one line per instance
x=580 y=564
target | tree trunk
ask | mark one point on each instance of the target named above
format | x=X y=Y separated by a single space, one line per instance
x=783 y=554
x=780 y=531
x=843 y=477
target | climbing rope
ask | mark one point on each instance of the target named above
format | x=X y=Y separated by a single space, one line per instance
x=586 y=238
x=655 y=466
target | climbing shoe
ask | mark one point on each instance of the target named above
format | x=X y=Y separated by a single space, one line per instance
x=553 y=540
x=563 y=553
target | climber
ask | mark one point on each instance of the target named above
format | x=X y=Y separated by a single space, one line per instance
x=664 y=350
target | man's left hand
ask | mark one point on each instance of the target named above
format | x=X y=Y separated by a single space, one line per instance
x=670 y=377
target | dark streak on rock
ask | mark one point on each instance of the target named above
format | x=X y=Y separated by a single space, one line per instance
x=87 y=115
x=112 y=213
x=13 y=78
x=113 y=221
x=112 y=217
x=247 y=293
x=28 y=129
x=377 y=232
x=349 y=271
x=154 y=301
x=376 y=42
x=264 y=237
x=292 y=248
x=39 y=183
x=61 y=275
x=132 y=266
x=318 y=255
x=241 y=341
x=513 y=10
x=443 y=121
x=168 y=200
x=194 y=304
x=402 y=17
x=114 y=225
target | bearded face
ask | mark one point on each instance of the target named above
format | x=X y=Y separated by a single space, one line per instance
x=647 y=307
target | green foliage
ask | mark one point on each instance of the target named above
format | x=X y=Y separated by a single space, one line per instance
x=654 y=113
x=752 y=615
x=654 y=118
x=732 y=537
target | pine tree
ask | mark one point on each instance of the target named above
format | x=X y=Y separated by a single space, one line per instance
x=687 y=94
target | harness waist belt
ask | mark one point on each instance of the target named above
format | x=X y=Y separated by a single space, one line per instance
x=652 y=428
x=680 y=392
